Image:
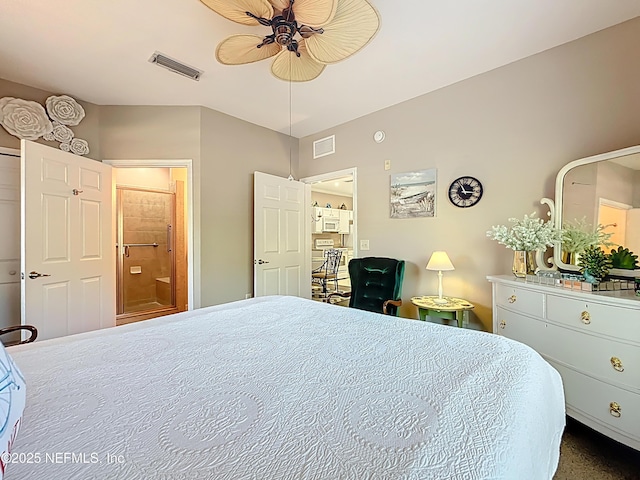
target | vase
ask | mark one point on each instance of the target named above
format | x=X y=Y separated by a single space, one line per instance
x=524 y=263
x=570 y=258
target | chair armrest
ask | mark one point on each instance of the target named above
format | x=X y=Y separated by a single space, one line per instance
x=15 y=328
x=338 y=294
x=397 y=303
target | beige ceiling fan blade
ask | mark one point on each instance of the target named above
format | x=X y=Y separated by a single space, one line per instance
x=241 y=49
x=235 y=10
x=315 y=13
x=356 y=22
x=288 y=67
x=279 y=4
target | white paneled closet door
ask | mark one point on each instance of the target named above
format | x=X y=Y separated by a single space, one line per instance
x=9 y=241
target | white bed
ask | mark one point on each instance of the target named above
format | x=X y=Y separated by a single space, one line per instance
x=286 y=388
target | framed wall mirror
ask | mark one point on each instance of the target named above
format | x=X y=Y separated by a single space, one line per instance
x=601 y=192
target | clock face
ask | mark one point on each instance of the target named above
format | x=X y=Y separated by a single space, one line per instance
x=465 y=192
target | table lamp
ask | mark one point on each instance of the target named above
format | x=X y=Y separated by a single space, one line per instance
x=440 y=261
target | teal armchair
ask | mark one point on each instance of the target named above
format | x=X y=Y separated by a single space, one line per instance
x=376 y=284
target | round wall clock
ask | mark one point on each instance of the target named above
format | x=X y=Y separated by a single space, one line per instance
x=465 y=191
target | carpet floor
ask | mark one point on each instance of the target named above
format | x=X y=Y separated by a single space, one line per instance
x=588 y=455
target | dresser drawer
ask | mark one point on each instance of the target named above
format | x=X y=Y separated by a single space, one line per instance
x=520 y=300
x=608 y=359
x=526 y=330
x=609 y=320
x=596 y=399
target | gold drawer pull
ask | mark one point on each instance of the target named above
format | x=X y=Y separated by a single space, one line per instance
x=616 y=363
x=615 y=409
x=503 y=324
x=585 y=317
x=512 y=299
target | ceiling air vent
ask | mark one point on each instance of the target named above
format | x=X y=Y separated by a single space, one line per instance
x=175 y=66
x=324 y=146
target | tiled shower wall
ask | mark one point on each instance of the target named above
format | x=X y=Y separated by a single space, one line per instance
x=145 y=219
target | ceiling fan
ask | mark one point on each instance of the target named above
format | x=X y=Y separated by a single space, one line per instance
x=307 y=35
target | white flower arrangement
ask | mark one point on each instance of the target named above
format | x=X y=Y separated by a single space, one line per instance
x=578 y=235
x=528 y=234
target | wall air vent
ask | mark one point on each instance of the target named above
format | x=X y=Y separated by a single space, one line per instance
x=175 y=66
x=324 y=146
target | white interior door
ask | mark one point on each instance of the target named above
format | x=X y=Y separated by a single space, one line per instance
x=68 y=261
x=279 y=237
x=9 y=240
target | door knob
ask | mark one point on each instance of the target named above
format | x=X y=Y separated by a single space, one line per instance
x=34 y=274
x=260 y=262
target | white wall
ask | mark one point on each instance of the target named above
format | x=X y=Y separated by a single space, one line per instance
x=512 y=128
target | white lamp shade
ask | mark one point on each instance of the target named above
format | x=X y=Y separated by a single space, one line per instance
x=440 y=261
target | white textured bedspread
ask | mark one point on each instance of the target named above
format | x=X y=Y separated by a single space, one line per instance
x=286 y=388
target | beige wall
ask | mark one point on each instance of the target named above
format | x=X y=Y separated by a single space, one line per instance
x=579 y=194
x=231 y=151
x=615 y=182
x=513 y=128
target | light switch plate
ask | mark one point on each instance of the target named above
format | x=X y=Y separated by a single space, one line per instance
x=387 y=164
x=364 y=244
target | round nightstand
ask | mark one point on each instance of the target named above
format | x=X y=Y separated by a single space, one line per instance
x=454 y=308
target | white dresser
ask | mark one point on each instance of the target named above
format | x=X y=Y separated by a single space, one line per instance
x=592 y=339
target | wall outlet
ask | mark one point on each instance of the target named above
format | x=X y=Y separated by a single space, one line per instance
x=387 y=164
x=248 y=295
x=364 y=244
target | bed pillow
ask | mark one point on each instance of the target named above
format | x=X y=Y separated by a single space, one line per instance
x=12 y=402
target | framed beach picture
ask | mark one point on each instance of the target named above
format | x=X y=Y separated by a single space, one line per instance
x=413 y=194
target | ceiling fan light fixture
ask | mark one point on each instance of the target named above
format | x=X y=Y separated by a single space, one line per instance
x=332 y=29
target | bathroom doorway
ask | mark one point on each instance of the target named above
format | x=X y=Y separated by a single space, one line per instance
x=151 y=233
x=146 y=246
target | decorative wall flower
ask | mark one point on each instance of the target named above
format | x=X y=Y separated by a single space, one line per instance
x=65 y=147
x=78 y=146
x=65 y=110
x=62 y=133
x=24 y=119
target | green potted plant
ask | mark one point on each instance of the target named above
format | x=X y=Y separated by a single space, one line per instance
x=594 y=264
x=623 y=258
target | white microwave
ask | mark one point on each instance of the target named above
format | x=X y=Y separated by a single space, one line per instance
x=330 y=224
